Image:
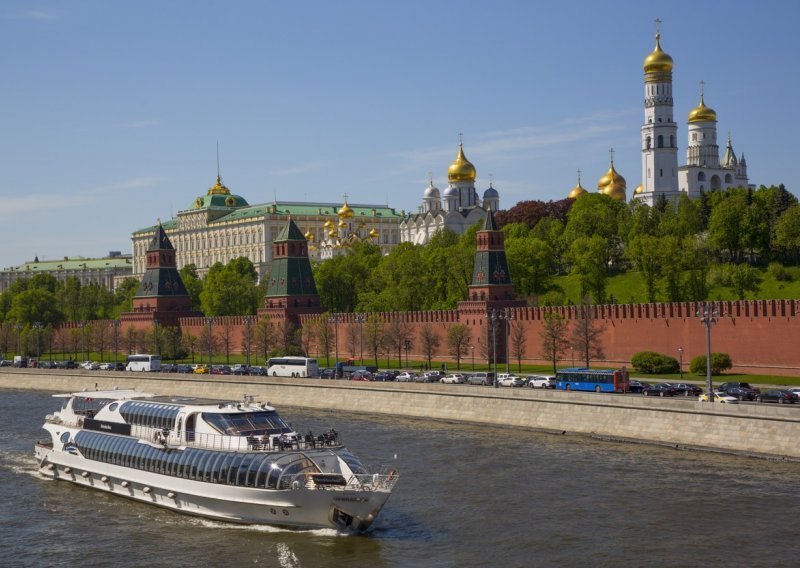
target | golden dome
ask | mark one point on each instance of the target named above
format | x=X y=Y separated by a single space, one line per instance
x=345 y=212
x=702 y=113
x=461 y=169
x=610 y=176
x=342 y=224
x=616 y=190
x=309 y=236
x=658 y=61
x=328 y=224
x=332 y=233
x=578 y=190
x=639 y=189
x=373 y=233
x=219 y=188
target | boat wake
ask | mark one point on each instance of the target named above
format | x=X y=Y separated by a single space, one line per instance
x=267 y=529
x=20 y=464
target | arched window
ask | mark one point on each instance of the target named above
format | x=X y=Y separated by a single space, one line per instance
x=649 y=141
x=660 y=141
x=694 y=136
x=728 y=178
x=715 y=182
x=671 y=141
x=701 y=176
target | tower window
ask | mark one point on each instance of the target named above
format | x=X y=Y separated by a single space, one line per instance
x=701 y=176
x=661 y=172
x=660 y=141
x=649 y=141
x=694 y=136
x=659 y=120
x=671 y=141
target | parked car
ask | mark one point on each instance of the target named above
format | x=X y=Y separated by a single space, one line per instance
x=453 y=379
x=719 y=397
x=256 y=371
x=780 y=396
x=327 y=373
x=795 y=390
x=426 y=378
x=383 y=376
x=200 y=370
x=686 y=389
x=5 y=363
x=540 y=382
x=90 y=366
x=47 y=364
x=637 y=386
x=507 y=380
x=361 y=375
x=405 y=377
x=660 y=389
x=740 y=390
x=481 y=379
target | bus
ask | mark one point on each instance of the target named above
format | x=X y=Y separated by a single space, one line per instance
x=292 y=367
x=597 y=380
x=143 y=362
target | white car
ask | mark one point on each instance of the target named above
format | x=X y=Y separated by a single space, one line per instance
x=106 y=366
x=90 y=365
x=505 y=380
x=405 y=377
x=454 y=379
x=540 y=382
x=719 y=397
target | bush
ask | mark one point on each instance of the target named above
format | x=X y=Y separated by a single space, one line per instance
x=650 y=362
x=719 y=362
x=779 y=272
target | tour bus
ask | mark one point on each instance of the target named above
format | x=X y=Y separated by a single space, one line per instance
x=143 y=362
x=292 y=367
x=597 y=380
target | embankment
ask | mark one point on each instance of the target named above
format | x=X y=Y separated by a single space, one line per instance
x=770 y=430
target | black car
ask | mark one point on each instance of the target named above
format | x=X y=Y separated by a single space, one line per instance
x=187 y=369
x=742 y=391
x=169 y=368
x=686 y=389
x=383 y=377
x=780 y=396
x=47 y=365
x=637 y=386
x=661 y=389
x=327 y=374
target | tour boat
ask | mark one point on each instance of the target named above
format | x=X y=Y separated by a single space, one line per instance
x=228 y=461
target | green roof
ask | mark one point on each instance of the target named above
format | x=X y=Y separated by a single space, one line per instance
x=74 y=263
x=290 y=233
x=218 y=200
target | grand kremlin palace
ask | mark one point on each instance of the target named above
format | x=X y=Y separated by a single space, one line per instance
x=221 y=226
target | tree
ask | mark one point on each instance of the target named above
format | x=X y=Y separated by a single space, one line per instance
x=787 y=232
x=726 y=226
x=34 y=305
x=459 y=337
x=352 y=337
x=306 y=338
x=207 y=341
x=374 y=336
x=192 y=283
x=190 y=343
x=399 y=335
x=100 y=333
x=589 y=258
x=325 y=336
x=226 y=339
x=531 y=263
x=429 y=342
x=172 y=343
x=743 y=279
x=265 y=337
x=645 y=252
x=248 y=337
x=586 y=333
x=132 y=338
x=230 y=290
x=554 y=338
x=518 y=340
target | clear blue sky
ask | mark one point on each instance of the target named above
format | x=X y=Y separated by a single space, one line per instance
x=111 y=110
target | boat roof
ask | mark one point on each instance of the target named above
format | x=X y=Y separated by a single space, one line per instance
x=133 y=394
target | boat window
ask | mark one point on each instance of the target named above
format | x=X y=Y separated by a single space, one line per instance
x=221 y=473
x=233 y=470
x=113 y=406
x=64 y=437
x=244 y=467
x=149 y=414
x=247 y=423
x=85 y=404
x=352 y=462
x=209 y=474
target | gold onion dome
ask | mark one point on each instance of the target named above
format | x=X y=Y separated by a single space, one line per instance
x=342 y=224
x=328 y=224
x=616 y=190
x=577 y=191
x=461 y=169
x=309 y=236
x=373 y=233
x=345 y=212
x=702 y=113
x=611 y=176
x=218 y=188
x=332 y=233
x=658 y=61
x=639 y=189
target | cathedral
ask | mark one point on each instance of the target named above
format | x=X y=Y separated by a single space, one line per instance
x=457 y=209
x=661 y=175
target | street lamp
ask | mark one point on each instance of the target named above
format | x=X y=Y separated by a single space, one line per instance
x=360 y=319
x=573 y=356
x=19 y=327
x=248 y=322
x=495 y=316
x=680 y=361
x=708 y=317
x=407 y=346
x=473 y=356
x=335 y=319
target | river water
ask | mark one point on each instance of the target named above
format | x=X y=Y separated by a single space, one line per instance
x=467 y=496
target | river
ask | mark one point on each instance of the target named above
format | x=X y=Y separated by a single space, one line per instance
x=467 y=496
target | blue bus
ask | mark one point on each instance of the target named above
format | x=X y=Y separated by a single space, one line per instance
x=597 y=380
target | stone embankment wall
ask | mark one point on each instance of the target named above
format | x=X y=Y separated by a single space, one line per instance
x=754 y=429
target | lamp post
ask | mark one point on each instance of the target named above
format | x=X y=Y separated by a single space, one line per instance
x=335 y=319
x=360 y=319
x=473 y=356
x=407 y=346
x=508 y=315
x=248 y=323
x=708 y=317
x=209 y=322
x=495 y=316
x=680 y=361
x=38 y=327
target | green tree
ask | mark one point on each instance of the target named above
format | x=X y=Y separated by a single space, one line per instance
x=743 y=279
x=726 y=226
x=787 y=232
x=646 y=253
x=532 y=264
x=587 y=333
x=429 y=342
x=35 y=305
x=230 y=290
x=589 y=258
x=374 y=337
x=192 y=283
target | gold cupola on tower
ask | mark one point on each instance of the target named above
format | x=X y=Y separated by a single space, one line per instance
x=658 y=61
x=346 y=212
x=461 y=169
x=611 y=176
x=702 y=113
x=218 y=188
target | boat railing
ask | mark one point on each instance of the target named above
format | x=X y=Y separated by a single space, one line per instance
x=378 y=482
x=238 y=443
